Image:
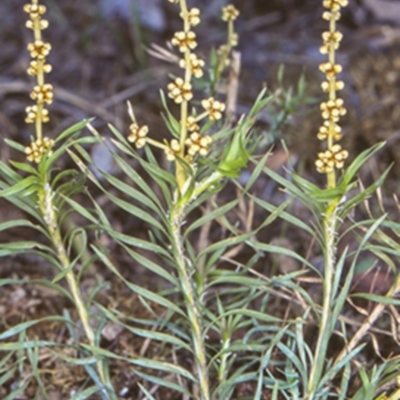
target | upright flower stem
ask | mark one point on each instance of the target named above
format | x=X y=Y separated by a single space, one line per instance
x=327 y=163
x=37 y=114
x=192 y=304
x=47 y=209
x=325 y=327
x=183 y=151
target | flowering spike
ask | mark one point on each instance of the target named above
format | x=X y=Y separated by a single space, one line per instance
x=331 y=110
x=42 y=92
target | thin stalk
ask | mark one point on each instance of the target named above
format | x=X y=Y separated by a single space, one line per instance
x=222 y=370
x=224 y=56
x=180 y=172
x=325 y=325
x=47 y=209
x=192 y=305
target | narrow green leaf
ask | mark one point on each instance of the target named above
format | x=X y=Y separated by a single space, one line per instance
x=156 y=298
x=225 y=243
x=19 y=187
x=358 y=162
x=72 y=129
x=163 y=366
x=80 y=210
x=139 y=243
x=212 y=216
x=171 y=122
x=85 y=394
x=24 y=167
x=132 y=192
x=152 y=266
x=21 y=327
x=12 y=346
x=16 y=393
x=22 y=247
x=357 y=199
x=15 y=145
x=8 y=374
x=259 y=166
x=138 y=180
x=164 y=382
x=149 y=396
x=159 y=337
x=18 y=223
x=136 y=211
x=281 y=250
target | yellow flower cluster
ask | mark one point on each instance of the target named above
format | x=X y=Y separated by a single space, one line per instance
x=332 y=109
x=179 y=90
x=32 y=115
x=214 y=108
x=191 y=124
x=191 y=142
x=195 y=65
x=193 y=16
x=198 y=144
x=229 y=13
x=42 y=92
x=173 y=150
x=37 y=148
x=138 y=135
x=184 y=41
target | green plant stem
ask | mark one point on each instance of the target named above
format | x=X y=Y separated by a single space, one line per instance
x=47 y=209
x=224 y=56
x=192 y=305
x=325 y=324
x=180 y=172
x=222 y=371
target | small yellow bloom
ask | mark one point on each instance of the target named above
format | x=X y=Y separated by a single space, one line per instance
x=39 y=49
x=214 y=108
x=43 y=94
x=331 y=15
x=324 y=131
x=180 y=90
x=331 y=41
x=173 y=150
x=34 y=10
x=33 y=68
x=333 y=109
x=330 y=159
x=32 y=114
x=229 y=13
x=36 y=149
x=330 y=70
x=138 y=135
x=196 y=65
x=234 y=40
x=198 y=144
x=193 y=16
x=338 y=85
x=335 y=5
x=43 y=24
x=191 y=124
x=184 y=40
